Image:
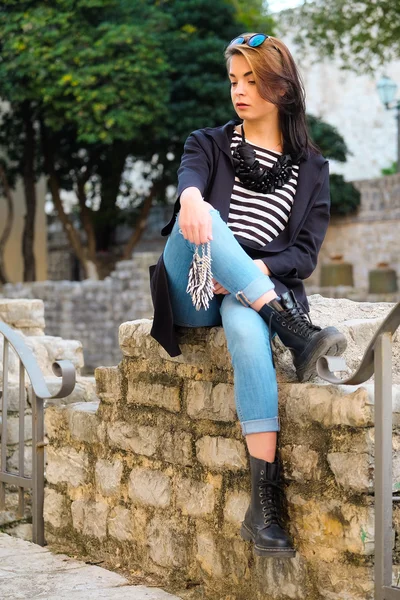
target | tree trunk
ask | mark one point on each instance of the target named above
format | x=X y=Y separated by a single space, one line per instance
x=142 y=221
x=28 y=236
x=89 y=269
x=110 y=186
x=8 y=224
x=86 y=218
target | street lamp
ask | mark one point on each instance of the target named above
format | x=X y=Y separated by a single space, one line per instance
x=387 y=90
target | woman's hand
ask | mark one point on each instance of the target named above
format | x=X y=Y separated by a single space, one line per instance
x=218 y=289
x=195 y=220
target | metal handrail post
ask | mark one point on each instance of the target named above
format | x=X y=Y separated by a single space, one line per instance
x=27 y=361
x=383 y=458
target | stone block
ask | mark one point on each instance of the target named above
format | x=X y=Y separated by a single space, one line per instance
x=176 y=447
x=84 y=391
x=49 y=349
x=301 y=463
x=108 y=476
x=330 y=525
x=13 y=429
x=135 y=339
x=194 y=498
x=90 y=518
x=120 y=525
x=339 y=580
x=149 y=487
x=83 y=421
x=207 y=555
x=109 y=384
x=141 y=439
x=155 y=394
x=207 y=402
x=198 y=395
x=328 y=405
x=66 y=465
x=95 y=523
x=78 y=514
x=168 y=542
x=55 y=422
x=22 y=314
x=236 y=505
x=221 y=453
x=352 y=471
x=56 y=512
x=284 y=578
x=13 y=397
x=13 y=461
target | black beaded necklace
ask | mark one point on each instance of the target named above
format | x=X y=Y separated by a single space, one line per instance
x=256 y=177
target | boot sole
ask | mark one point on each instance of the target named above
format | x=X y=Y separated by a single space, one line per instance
x=260 y=551
x=329 y=344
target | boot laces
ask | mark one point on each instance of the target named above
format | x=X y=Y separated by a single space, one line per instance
x=269 y=494
x=299 y=320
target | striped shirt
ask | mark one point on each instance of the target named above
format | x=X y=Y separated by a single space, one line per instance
x=260 y=217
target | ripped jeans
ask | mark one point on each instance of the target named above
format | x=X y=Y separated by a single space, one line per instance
x=247 y=335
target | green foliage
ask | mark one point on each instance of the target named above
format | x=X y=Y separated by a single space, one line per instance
x=364 y=34
x=328 y=139
x=254 y=17
x=345 y=198
x=390 y=170
x=91 y=64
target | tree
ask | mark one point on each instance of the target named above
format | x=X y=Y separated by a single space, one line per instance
x=364 y=34
x=94 y=68
x=8 y=223
x=345 y=198
x=108 y=79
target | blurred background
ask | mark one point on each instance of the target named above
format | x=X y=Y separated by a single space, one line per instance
x=96 y=100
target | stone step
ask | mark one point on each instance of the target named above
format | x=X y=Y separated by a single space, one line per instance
x=28 y=571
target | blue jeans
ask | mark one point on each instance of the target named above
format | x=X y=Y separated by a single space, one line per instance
x=247 y=335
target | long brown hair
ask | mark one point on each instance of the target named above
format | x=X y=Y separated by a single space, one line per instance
x=275 y=71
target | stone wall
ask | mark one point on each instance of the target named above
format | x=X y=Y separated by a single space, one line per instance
x=27 y=316
x=93 y=310
x=154 y=476
x=369 y=237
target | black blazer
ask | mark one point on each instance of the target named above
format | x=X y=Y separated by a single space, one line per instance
x=291 y=257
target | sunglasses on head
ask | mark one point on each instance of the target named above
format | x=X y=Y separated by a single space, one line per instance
x=255 y=40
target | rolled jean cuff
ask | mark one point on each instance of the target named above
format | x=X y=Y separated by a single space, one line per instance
x=254 y=290
x=260 y=425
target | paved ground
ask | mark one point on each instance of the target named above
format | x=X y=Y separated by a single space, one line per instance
x=28 y=571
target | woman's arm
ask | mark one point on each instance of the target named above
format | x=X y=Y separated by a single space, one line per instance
x=300 y=259
x=193 y=173
x=195 y=167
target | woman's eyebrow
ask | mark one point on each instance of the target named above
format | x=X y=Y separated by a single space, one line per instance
x=245 y=75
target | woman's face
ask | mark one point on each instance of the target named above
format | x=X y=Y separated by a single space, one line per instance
x=244 y=91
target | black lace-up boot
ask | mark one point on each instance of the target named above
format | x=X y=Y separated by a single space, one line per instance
x=263 y=520
x=307 y=342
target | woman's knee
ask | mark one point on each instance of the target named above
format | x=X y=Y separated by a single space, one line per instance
x=245 y=330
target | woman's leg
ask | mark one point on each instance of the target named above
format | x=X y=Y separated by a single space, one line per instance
x=231 y=267
x=256 y=390
x=256 y=396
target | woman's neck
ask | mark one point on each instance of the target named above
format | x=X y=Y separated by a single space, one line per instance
x=263 y=133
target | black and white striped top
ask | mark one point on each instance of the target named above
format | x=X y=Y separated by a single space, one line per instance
x=260 y=217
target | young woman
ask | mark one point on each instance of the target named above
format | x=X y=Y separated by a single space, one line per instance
x=253 y=195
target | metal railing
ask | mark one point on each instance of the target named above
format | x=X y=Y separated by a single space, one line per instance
x=27 y=362
x=378 y=359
